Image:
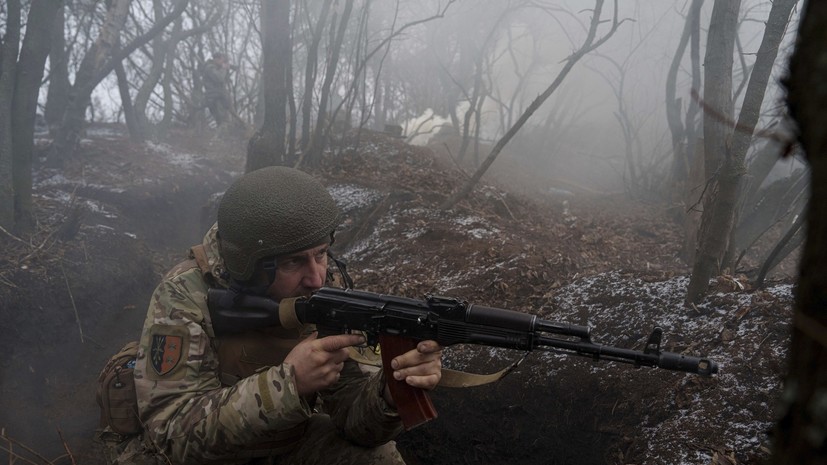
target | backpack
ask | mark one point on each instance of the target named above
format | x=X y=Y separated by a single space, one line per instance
x=116 y=392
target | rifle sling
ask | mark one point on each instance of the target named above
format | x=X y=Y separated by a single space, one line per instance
x=450 y=378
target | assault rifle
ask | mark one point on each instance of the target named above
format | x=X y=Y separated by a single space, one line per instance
x=398 y=323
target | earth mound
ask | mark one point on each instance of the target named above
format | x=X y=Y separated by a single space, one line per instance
x=113 y=220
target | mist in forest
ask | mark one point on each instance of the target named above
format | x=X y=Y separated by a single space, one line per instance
x=561 y=98
x=433 y=64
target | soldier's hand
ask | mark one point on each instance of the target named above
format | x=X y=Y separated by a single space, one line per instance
x=319 y=361
x=420 y=367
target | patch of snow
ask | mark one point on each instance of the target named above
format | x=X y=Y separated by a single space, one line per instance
x=104 y=132
x=97 y=207
x=482 y=229
x=173 y=156
x=638 y=305
x=58 y=179
x=559 y=192
x=349 y=197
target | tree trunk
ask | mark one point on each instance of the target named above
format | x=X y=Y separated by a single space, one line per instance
x=161 y=61
x=788 y=242
x=135 y=132
x=681 y=131
x=59 y=84
x=291 y=156
x=197 y=117
x=756 y=88
x=469 y=112
x=29 y=74
x=310 y=70
x=266 y=147
x=8 y=66
x=156 y=70
x=165 y=124
x=799 y=436
x=720 y=205
x=324 y=120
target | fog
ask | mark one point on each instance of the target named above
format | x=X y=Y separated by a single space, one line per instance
x=455 y=76
x=519 y=47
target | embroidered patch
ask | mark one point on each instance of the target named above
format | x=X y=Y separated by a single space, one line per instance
x=165 y=352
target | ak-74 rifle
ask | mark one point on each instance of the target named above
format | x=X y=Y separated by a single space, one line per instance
x=397 y=324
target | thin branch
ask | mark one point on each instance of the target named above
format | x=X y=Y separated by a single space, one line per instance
x=13 y=236
x=24 y=447
x=72 y=299
x=66 y=446
x=787 y=142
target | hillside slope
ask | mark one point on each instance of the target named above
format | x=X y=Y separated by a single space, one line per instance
x=112 y=221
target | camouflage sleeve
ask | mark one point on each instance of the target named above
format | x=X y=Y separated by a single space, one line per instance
x=357 y=408
x=186 y=411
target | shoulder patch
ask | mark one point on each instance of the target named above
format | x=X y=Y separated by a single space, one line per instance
x=168 y=350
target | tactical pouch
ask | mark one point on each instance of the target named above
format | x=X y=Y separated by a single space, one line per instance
x=116 y=392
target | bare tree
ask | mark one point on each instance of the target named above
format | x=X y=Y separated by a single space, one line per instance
x=20 y=77
x=349 y=78
x=684 y=131
x=310 y=71
x=590 y=43
x=725 y=145
x=161 y=69
x=311 y=154
x=641 y=172
x=100 y=60
x=267 y=147
x=799 y=433
x=480 y=90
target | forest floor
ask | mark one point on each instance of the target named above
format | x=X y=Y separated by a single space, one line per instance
x=111 y=221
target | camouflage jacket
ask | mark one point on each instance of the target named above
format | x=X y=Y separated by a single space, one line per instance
x=192 y=417
x=215 y=79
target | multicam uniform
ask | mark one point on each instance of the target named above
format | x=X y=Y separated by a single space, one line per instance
x=228 y=400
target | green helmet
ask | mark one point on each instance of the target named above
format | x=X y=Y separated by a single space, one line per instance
x=272 y=211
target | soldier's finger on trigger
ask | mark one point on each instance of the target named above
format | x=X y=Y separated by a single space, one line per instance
x=340 y=341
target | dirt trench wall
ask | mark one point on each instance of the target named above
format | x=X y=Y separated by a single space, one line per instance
x=76 y=304
x=59 y=328
x=547 y=411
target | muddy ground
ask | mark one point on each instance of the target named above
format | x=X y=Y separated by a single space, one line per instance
x=112 y=221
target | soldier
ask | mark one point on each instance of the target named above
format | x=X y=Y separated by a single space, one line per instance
x=216 y=75
x=271 y=395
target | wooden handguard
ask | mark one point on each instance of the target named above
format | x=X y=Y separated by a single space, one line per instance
x=413 y=404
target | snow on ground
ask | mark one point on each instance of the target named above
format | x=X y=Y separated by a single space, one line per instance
x=746 y=371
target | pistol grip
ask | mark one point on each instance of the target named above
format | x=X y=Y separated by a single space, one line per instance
x=413 y=404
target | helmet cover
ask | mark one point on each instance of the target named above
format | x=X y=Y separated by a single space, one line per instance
x=269 y=212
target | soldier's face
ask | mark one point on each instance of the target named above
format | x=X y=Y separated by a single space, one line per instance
x=300 y=273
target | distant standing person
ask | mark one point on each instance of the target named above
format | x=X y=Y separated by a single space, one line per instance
x=216 y=73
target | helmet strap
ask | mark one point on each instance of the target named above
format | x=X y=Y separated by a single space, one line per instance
x=342 y=266
x=270 y=267
x=253 y=286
